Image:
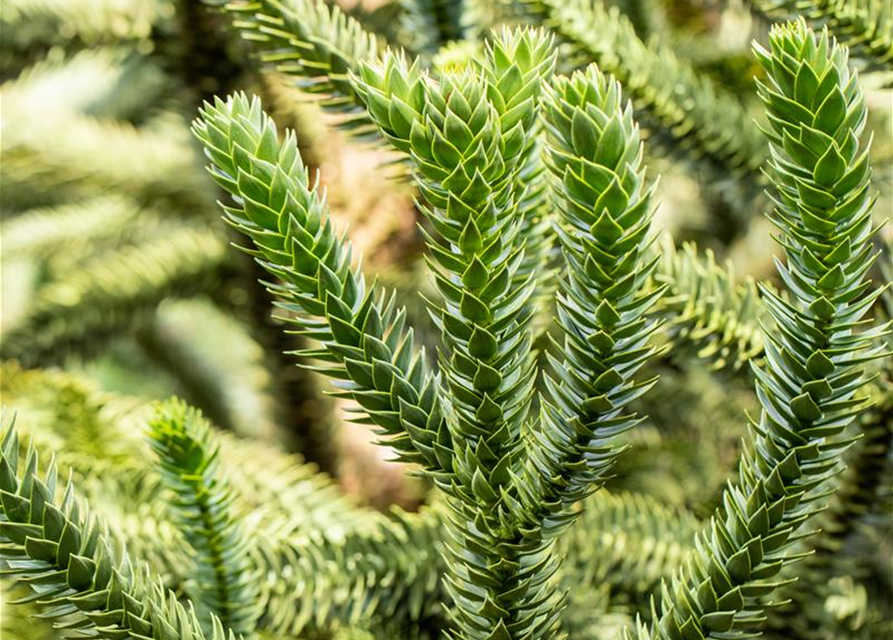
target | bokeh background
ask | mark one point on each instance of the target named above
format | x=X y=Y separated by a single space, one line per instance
x=119 y=284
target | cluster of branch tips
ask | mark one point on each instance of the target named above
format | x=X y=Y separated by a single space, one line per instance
x=508 y=158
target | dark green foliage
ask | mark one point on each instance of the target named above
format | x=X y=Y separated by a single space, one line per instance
x=512 y=487
x=535 y=202
x=468 y=138
x=605 y=213
x=322 y=558
x=513 y=67
x=682 y=108
x=361 y=330
x=628 y=542
x=58 y=549
x=383 y=574
x=222 y=582
x=812 y=616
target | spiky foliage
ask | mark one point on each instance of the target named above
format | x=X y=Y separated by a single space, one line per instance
x=113 y=294
x=63 y=157
x=805 y=617
x=40 y=233
x=328 y=568
x=469 y=137
x=681 y=108
x=604 y=220
x=47 y=22
x=865 y=26
x=513 y=66
x=223 y=582
x=815 y=358
x=314 y=42
x=383 y=575
x=360 y=329
x=61 y=552
x=708 y=310
x=318 y=559
x=859 y=498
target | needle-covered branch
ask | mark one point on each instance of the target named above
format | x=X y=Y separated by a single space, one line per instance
x=76 y=575
x=815 y=357
x=223 y=583
x=363 y=342
x=315 y=43
x=605 y=211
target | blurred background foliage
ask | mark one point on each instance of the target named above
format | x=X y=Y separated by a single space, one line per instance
x=119 y=287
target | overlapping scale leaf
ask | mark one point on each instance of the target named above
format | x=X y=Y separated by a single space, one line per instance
x=364 y=344
x=62 y=553
x=513 y=63
x=469 y=136
x=222 y=582
x=815 y=354
x=604 y=206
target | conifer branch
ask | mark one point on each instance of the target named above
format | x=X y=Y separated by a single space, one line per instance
x=222 y=583
x=857 y=497
x=42 y=232
x=363 y=342
x=468 y=145
x=113 y=294
x=682 y=110
x=604 y=206
x=708 y=310
x=59 y=550
x=511 y=66
x=317 y=44
x=51 y=159
x=814 y=359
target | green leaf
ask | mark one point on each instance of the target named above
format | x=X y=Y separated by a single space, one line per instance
x=830 y=168
x=487 y=378
x=474 y=309
x=476 y=275
x=805 y=408
x=482 y=344
x=611 y=143
x=470 y=242
x=583 y=134
x=831 y=113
